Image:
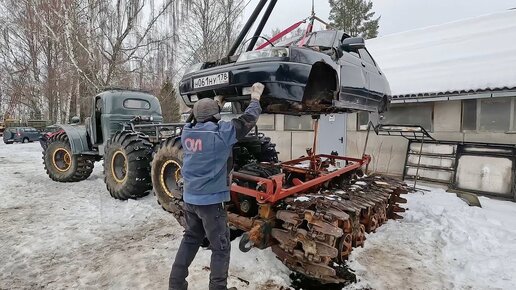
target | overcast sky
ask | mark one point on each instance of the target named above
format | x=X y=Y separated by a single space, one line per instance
x=397 y=15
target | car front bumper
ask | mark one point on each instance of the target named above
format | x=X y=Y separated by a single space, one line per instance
x=282 y=79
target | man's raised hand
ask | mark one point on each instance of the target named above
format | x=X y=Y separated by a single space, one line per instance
x=257 y=91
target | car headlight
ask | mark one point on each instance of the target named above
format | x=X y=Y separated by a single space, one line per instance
x=194 y=68
x=264 y=53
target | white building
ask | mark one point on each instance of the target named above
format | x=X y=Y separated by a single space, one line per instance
x=457 y=80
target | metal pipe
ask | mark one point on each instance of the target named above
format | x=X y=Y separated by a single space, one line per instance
x=246 y=27
x=316 y=131
x=313 y=161
x=365 y=144
x=419 y=161
x=262 y=23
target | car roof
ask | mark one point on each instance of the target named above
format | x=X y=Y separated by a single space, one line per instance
x=18 y=128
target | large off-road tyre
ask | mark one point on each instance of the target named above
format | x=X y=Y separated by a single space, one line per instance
x=63 y=166
x=127 y=165
x=166 y=175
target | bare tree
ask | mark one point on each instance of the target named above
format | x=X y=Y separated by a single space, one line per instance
x=209 y=29
x=55 y=55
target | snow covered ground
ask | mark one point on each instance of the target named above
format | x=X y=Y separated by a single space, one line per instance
x=57 y=236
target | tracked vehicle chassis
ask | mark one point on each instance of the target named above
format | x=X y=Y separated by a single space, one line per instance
x=311 y=211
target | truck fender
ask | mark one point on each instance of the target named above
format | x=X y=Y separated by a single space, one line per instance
x=78 y=138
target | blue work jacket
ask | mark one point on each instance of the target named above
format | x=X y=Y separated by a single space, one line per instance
x=207 y=147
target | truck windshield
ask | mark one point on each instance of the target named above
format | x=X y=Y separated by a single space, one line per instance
x=321 y=39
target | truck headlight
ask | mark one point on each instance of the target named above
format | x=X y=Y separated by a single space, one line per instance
x=264 y=53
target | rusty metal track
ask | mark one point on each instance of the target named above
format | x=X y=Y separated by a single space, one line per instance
x=316 y=232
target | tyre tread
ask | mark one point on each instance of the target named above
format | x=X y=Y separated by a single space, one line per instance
x=84 y=166
x=138 y=149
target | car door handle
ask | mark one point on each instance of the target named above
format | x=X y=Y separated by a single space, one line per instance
x=363 y=64
x=341 y=139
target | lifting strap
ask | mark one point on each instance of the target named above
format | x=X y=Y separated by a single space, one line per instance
x=281 y=34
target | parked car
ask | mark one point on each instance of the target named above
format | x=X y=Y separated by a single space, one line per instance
x=330 y=72
x=21 y=134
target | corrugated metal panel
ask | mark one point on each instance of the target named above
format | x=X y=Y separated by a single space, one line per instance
x=440 y=98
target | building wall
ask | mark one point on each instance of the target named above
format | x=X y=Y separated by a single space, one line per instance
x=290 y=144
x=388 y=153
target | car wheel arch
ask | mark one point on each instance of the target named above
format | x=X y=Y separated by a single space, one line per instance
x=322 y=77
x=384 y=104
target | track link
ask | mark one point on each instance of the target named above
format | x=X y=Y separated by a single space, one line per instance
x=319 y=230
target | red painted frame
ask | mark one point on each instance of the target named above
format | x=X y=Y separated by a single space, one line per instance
x=272 y=189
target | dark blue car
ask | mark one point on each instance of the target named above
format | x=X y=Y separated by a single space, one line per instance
x=21 y=134
x=330 y=72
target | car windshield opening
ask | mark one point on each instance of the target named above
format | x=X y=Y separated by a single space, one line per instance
x=321 y=39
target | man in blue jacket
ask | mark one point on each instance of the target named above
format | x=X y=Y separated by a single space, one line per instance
x=207 y=146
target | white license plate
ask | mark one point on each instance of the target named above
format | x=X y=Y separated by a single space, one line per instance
x=211 y=80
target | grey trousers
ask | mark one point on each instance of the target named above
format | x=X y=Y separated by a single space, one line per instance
x=208 y=221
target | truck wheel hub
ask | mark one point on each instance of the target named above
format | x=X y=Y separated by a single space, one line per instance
x=170 y=178
x=61 y=159
x=119 y=166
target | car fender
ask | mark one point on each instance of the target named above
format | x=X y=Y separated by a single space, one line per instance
x=78 y=138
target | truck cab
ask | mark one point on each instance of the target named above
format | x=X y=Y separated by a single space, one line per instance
x=114 y=109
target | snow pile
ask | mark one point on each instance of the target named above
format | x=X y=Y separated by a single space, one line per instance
x=471 y=54
x=74 y=235
x=302 y=198
x=442 y=243
x=303 y=164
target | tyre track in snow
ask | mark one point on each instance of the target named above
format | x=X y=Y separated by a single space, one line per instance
x=74 y=235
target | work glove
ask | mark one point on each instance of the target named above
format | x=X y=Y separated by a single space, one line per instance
x=220 y=101
x=257 y=91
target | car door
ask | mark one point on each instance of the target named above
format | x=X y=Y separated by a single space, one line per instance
x=354 y=81
x=27 y=133
x=21 y=134
x=34 y=134
x=376 y=79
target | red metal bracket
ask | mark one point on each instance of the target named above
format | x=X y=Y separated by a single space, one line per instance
x=271 y=190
